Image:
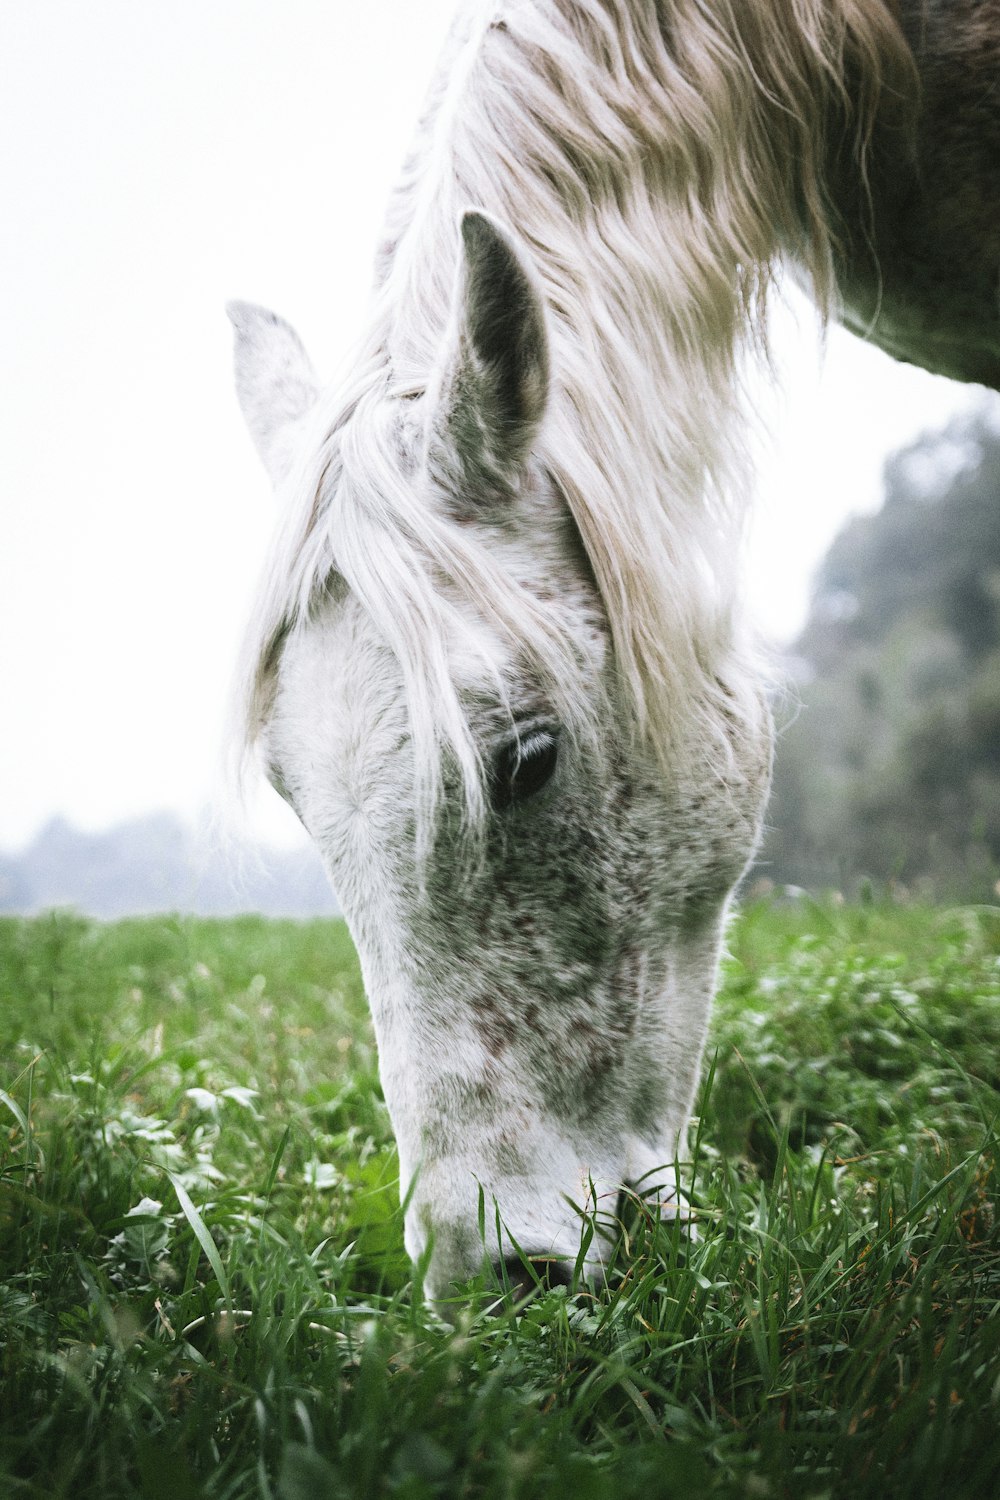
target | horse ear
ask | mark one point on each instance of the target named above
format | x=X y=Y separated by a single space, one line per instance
x=275 y=383
x=496 y=383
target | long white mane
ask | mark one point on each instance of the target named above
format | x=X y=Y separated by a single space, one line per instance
x=654 y=159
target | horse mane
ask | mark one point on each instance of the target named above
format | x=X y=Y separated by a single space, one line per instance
x=655 y=160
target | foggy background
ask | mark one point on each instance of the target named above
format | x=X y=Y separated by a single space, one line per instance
x=159 y=160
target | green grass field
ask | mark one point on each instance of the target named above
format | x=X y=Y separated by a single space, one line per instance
x=203 y=1289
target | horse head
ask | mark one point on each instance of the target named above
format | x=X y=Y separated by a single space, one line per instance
x=536 y=890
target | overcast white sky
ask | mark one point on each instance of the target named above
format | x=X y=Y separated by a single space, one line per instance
x=158 y=159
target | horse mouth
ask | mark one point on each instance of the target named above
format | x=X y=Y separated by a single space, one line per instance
x=520 y=1275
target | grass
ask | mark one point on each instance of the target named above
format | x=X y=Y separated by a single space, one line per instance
x=203 y=1290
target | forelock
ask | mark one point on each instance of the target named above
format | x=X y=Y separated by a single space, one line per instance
x=363 y=517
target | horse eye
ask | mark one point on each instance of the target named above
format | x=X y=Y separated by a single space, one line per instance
x=523 y=767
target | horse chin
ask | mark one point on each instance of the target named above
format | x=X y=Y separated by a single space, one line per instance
x=505 y=1279
x=508 y=1263
x=513 y=1237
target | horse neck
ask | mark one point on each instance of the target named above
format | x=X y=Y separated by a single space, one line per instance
x=689 y=141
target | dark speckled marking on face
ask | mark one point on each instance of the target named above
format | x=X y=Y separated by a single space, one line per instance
x=495 y=1021
x=508 y=1157
x=555 y=942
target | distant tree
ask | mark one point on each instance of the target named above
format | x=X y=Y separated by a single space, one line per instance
x=890 y=766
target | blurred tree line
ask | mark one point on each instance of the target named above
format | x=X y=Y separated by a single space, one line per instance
x=888 y=761
x=157 y=863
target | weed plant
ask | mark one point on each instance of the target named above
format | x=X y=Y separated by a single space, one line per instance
x=203 y=1289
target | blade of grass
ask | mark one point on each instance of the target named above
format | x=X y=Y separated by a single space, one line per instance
x=201 y=1234
x=275 y=1164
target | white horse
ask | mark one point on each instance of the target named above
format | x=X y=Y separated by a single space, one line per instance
x=499 y=664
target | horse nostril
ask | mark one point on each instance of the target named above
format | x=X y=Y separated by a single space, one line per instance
x=518 y=1276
